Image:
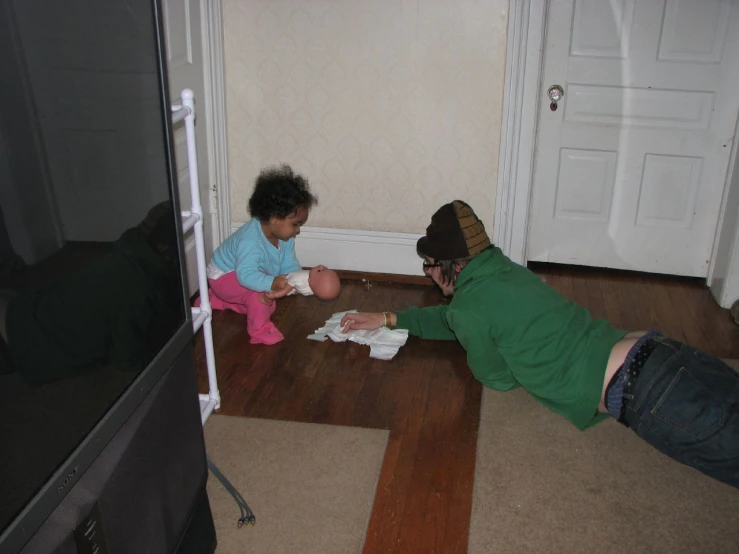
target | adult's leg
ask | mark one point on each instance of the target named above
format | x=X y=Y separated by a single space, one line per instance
x=686 y=404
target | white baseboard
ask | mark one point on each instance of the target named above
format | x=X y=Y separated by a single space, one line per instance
x=370 y=251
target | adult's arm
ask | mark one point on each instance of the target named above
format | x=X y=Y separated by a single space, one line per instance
x=427 y=323
x=483 y=357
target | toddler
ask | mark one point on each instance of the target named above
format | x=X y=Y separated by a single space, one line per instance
x=258 y=257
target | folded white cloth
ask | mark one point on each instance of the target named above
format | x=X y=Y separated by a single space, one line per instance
x=384 y=343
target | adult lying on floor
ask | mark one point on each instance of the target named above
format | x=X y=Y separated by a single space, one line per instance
x=518 y=331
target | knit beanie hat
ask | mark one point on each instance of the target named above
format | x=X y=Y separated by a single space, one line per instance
x=455 y=232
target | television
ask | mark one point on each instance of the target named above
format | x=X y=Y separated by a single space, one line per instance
x=100 y=430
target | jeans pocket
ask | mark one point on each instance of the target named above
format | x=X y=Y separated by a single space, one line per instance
x=689 y=405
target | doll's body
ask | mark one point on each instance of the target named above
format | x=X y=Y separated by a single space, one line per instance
x=319 y=281
x=298 y=280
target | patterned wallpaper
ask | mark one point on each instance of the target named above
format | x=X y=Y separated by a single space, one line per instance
x=390 y=108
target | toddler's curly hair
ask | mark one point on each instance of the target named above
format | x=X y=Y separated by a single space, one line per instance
x=278 y=192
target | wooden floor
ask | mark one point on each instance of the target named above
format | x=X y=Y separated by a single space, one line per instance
x=425 y=396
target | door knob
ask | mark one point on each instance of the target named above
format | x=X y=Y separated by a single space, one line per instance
x=555 y=94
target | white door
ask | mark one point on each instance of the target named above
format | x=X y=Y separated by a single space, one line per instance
x=631 y=166
x=184 y=45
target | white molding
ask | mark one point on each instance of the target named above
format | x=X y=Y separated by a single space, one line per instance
x=347 y=249
x=526 y=28
x=215 y=105
x=723 y=269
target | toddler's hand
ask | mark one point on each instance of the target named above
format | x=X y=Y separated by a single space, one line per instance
x=279 y=283
x=275 y=294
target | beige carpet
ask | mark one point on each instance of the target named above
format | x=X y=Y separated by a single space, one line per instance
x=543 y=486
x=310 y=486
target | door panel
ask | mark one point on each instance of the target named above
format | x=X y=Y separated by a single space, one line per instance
x=631 y=164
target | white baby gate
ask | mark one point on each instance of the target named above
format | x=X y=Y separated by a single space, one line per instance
x=193 y=220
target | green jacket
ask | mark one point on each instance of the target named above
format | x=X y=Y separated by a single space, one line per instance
x=518 y=331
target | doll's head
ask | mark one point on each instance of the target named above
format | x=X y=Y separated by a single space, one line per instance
x=324 y=282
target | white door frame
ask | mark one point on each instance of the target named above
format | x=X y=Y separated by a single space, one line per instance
x=215 y=105
x=519 y=121
x=521 y=104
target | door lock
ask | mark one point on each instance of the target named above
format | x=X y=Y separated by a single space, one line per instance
x=555 y=94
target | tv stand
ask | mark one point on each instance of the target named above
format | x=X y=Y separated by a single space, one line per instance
x=200 y=536
x=149 y=481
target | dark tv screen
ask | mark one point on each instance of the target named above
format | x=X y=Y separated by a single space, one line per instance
x=91 y=279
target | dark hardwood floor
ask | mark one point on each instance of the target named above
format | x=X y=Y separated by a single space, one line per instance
x=425 y=396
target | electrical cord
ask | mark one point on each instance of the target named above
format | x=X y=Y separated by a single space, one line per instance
x=247 y=516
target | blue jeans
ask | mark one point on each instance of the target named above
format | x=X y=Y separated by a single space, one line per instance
x=686 y=404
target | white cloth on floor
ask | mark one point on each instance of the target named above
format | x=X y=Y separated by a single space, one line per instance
x=384 y=343
x=299 y=280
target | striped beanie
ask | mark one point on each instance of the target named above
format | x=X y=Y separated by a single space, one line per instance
x=455 y=232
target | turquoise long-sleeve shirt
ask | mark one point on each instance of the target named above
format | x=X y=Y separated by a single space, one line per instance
x=255 y=260
x=518 y=331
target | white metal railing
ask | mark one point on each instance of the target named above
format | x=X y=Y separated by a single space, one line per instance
x=193 y=220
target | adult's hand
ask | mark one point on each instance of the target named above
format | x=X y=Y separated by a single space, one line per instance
x=362 y=320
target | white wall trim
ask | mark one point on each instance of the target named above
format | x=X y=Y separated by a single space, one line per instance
x=526 y=27
x=723 y=270
x=215 y=102
x=347 y=249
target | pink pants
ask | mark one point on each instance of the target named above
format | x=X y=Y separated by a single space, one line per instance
x=228 y=294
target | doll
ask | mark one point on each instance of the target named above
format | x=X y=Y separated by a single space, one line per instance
x=320 y=280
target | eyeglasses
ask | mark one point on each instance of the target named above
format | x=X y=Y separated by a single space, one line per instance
x=429 y=265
